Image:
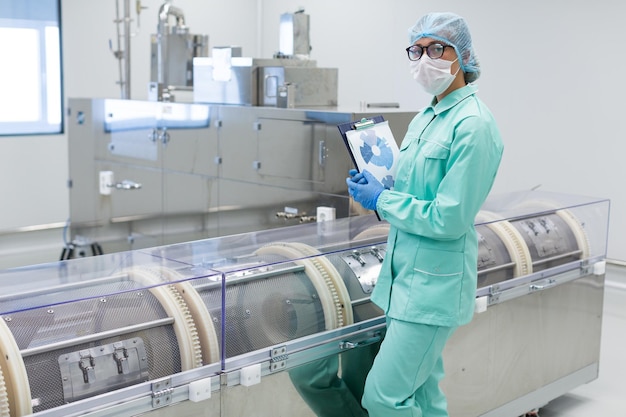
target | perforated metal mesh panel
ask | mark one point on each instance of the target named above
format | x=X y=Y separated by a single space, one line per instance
x=365 y=310
x=266 y=311
x=494 y=261
x=48 y=328
x=550 y=240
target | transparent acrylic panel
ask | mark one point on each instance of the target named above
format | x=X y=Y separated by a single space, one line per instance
x=290 y=282
x=523 y=233
x=556 y=235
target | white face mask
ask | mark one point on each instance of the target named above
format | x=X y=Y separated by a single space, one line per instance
x=433 y=74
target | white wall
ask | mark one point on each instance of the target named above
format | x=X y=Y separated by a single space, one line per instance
x=550 y=75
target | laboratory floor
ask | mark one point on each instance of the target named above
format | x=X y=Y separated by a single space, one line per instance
x=606 y=396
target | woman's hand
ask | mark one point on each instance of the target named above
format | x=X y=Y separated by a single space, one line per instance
x=364 y=188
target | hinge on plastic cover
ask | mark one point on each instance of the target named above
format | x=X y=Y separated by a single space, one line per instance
x=162 y=393
x=494 y=294
x=278 y=358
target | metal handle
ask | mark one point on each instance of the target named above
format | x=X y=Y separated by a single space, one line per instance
x=346 y=344
x=322 y=153
x=126 y=185
x=548 y=284
x=164 y=136
x=271 y=85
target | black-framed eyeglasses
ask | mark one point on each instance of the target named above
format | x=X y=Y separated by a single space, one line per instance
x=434 y=51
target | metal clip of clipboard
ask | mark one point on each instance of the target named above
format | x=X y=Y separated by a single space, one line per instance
x=364 y=124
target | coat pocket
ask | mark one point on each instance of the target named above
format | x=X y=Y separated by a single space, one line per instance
x=434 y=168
x=437 y=282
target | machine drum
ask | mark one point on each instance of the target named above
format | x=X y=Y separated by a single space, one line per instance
x=281 y=301
x=91 y=345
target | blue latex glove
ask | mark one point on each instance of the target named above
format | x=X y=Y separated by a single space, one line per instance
x=364 y=188
x=356 y=176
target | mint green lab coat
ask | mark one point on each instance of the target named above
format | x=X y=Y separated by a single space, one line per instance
x=448 y=163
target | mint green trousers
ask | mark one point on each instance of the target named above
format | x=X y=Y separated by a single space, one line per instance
x=404 y=379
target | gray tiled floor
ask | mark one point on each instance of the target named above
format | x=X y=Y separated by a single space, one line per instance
x=606 y=396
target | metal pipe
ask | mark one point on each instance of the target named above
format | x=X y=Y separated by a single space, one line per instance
x=64 y=287
x=126 y=81
x=576 y=253
x=117 y=51
x=253 y=277
x=96 y=336
x=496 y=268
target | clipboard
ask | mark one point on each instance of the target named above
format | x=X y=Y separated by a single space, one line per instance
x=371 y=146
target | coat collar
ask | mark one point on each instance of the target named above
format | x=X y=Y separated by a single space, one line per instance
x=453 y=98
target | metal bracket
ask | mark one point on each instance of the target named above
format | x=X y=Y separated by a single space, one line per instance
x=102 y=368
x=494 y=294
x=278 y=358
x=162 y=393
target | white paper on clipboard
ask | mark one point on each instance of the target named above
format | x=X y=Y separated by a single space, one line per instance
x=375 y=149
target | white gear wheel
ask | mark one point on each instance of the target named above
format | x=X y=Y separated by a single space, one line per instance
x=513 y=242
x=206 y=329
x=379 y=230
x=578 y=231
x=325 y=278
x=16 y=385
x=175 y=306
x=4 y=398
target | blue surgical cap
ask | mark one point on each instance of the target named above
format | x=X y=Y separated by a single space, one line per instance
x=451 y=29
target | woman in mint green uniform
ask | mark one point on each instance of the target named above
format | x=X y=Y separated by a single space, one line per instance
x=448 y=163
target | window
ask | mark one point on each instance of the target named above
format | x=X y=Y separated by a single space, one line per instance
x=31 y=101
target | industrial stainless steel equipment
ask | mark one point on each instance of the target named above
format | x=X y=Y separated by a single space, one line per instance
x=148 y=173
x=173 y=50
x=260 y=82
x=226 y=326
x=258 y=147
x=290 y=79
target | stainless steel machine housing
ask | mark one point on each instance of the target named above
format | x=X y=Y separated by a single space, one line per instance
x=185 y=171
x=257 y=82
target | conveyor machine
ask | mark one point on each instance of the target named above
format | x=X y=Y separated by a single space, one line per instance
x=231 y=326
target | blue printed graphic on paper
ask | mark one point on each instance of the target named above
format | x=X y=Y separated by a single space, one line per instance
x=375 y=150
x=388 y=182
